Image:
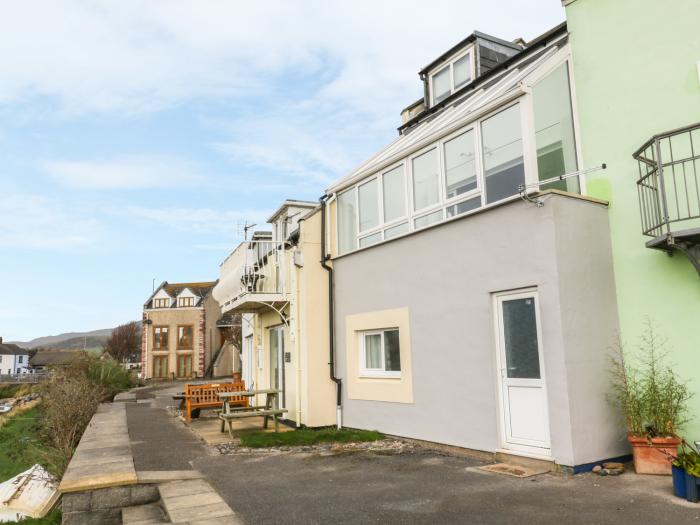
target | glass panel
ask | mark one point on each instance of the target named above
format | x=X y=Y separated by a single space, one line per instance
x=427 y=220
x=347 y=215
x=554 y=130
x=504 y=168
x=425 y=180
x=394 y=187
x=460 y=168
x=373 y=351
x=520 y=338
x=370 y=239
x=441 y=85
x=395 y=231
x=463 y=207
x=392 y=356
x=462 y=71
x=369 y=205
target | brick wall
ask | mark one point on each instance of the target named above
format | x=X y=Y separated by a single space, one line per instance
x=201 y=348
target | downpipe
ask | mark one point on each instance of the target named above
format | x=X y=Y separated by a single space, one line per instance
x=331 y=316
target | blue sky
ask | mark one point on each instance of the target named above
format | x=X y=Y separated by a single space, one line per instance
x=135 y=137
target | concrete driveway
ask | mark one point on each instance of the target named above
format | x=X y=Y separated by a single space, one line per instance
x=427 y=487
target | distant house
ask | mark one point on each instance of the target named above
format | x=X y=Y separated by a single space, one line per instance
x=13 y=359
x=43 y=359
x=180 y=336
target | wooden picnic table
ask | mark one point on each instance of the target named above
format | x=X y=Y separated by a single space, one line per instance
x=229 y=413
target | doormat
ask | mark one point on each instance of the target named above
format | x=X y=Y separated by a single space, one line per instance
x=515 y=470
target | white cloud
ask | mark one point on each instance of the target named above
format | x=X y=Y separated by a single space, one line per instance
x=135 y=56
x=38 y=223
x=122 y=173
x=200 y=220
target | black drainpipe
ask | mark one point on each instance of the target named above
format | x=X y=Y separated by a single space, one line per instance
x=331 y=302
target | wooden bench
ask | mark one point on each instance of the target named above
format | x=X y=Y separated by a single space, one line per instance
x=207 y=396
x=238 y=413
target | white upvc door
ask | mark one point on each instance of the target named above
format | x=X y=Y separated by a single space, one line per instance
x=523 y=395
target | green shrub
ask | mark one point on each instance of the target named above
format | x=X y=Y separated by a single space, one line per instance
x=652 y=397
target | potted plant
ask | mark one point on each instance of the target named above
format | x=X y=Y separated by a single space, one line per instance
x=653 y=400
x=686 y=472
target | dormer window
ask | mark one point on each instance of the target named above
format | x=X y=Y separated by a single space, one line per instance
x=456 y=74
x=161 y=303
x=185 y=301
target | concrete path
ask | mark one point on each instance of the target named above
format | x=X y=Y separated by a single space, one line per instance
x=159 y=441
x=426 y=488
x=422 y=486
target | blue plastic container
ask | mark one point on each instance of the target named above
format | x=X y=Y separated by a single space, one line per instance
x=678 y=481
x=691 y=488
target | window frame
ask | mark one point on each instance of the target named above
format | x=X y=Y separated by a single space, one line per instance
x=450 y=63
x=161 y=348
x=161 y=358
x=177 y=336
x=377 y=372
x=186 y=299
x=161 y=302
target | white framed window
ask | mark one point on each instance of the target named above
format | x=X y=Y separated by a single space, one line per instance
x=460 y=164
x=394 y=193
x=347 y=221
x=425 y=170
x=380 y=354
x=448 y=79
x=368 y=205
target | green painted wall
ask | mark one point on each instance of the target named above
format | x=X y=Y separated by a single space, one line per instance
x=636 y=75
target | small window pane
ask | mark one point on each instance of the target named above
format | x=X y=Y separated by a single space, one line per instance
x=395 y=231
x=394 y=188
x=554 y=130
x=460 y=168
x=370 y=239
x=520 y=337
x=462 y=71
x=425 y=180
x=441 y=85
x=373 y=351
x=504 y=168
x=427 y=220
x=392 y=355
x=369 y=205
x=463 y=207
x=347 y=215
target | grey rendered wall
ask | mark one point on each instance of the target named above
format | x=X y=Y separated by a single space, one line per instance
x=446 y=276
x=590 y=326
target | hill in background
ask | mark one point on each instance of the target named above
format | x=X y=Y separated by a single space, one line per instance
x=70 y=340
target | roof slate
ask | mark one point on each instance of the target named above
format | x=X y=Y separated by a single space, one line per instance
x=12 y=349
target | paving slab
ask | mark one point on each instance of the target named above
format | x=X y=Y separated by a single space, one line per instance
x=103 y=456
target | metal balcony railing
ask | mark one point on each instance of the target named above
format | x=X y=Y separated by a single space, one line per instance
x=669 y=181
x=263 y=267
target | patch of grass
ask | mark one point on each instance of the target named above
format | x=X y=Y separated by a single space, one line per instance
x=8 y=391
x=21 y=446
x=308 y=437
x=52 y=518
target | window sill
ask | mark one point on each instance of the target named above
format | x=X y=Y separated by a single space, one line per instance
x=379 y=375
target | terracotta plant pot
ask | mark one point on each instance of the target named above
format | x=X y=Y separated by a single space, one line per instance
x=651 y=454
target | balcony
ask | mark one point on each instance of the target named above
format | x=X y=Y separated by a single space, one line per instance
x=254 y=278
x=669 y=192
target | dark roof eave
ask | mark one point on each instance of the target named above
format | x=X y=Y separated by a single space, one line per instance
x=471 y=38
x=540 y=40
